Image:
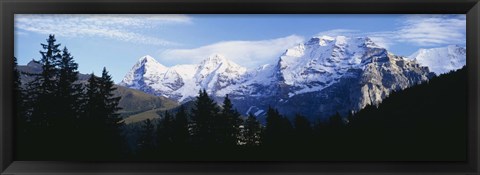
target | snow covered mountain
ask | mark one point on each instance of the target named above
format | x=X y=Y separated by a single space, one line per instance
x=182 y=82
x=441 y=60
x=326 y=75
x=321 y=61
x=317 y=78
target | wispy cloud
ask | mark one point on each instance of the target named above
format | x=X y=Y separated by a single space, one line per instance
x=245 y=53
x=433 y=30
x=118 y=27
x=420 y=30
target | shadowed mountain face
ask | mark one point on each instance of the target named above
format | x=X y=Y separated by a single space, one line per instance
x=317 y=78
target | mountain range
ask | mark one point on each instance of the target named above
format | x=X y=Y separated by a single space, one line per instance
x=317 y=78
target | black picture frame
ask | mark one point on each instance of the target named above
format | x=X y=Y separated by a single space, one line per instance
x=10 y=7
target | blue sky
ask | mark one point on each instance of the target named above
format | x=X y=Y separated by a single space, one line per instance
x=118 y=41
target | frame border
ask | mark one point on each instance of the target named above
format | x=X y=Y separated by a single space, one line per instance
x=10 y=7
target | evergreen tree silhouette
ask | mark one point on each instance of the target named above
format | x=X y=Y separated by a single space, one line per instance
x=146 y=140
x=165 y=132
x=43 y=86
x=68 y=92
x=100 y=119
x=336 y=121
x=91 y=123
x=41 y=103
x=278 y=130
x=203 y=116
x=23 y=129
x=113 y=138
x=227 y=125
x=67 y=99
x=181 y=133
x=252 y=131
x=18 y=95
x=303 y=130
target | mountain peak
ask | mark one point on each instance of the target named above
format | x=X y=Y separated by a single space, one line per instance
x=215 y=59
x=320 y=40
x=441 y=60
x=218 y=61
x=150 y=62
x=341 y=41
x=147 y=58
x=145 y=67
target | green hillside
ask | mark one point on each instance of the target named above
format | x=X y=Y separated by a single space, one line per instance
x=135 y=101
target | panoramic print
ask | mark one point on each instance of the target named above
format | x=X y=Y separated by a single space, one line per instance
x=225 y=87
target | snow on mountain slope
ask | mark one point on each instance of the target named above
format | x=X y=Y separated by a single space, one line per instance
x=441 y=60
x=321 y=61
x=182 y=82
x=145 y=72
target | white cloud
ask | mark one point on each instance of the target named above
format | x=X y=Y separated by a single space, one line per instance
x=245 y=53
x=118 y=27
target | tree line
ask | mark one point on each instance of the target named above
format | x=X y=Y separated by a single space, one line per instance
x=218 y=132
x=206 y=127
x=61 y=118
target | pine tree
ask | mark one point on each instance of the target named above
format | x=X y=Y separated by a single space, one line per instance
x=113 y=138
x=252 y=131
x=165 y=130
x=50 y=56
x=272 y=126
x=303 y=129
x=336 y=121
x=146 y=141
x=181 y=133
x=92 y=101
x=67 y=101
x=17 y=84
x=23 y=129
x=100 y=119
x=41 y=103
x=278 y=130
x=203 y=117
x=43 y=87
x=90 y=122
x=18 y=96
x=68 y=92
x=227 y=124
